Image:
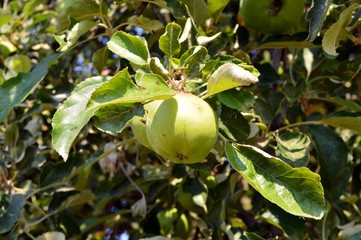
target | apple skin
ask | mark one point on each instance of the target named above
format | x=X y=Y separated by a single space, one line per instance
x=140 y=132
x=272 y=16
x=182 y=129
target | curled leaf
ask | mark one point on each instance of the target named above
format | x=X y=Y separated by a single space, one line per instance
x=228 y=76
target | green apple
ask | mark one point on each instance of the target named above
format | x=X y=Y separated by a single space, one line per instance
x=18 y=63
x=272 y=16
x=140 y=132
x=182 y=129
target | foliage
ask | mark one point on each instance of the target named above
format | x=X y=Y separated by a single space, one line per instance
x=75 y=74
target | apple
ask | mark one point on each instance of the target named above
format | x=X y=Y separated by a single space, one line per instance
x=18 y=63
x=139 y=131
x=272 y=16
x=182 y=129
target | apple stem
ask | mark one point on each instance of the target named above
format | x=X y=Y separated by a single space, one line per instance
x=182 y=83
x=200 y=86
x=223 y=138
x=203 y=94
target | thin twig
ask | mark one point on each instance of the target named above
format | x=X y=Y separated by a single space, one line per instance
x=131 y=180
x=139 y=11
x=295 y=125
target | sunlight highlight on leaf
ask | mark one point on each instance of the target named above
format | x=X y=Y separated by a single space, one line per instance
x=338 y=31
x=296 y=190
x=228 y=76
x=73 y=115
x=129 y=47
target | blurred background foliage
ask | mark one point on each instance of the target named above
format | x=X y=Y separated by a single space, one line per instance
x=112 y=187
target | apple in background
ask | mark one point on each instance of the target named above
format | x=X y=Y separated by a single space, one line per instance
x=272 y=16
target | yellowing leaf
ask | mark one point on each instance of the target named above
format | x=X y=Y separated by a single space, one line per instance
x=145 y=23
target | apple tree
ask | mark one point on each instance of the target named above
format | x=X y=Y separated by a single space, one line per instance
x=180 y=119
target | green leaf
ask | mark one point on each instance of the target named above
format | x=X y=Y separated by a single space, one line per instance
x=332 y=155
x=193 y=192
x=121 y=90
x=296 y=190
x=114 y=118
x=166 y=219
x=192 y=60
x=58 y=197
x=76 y=111
x=73 y=115
x=16 y=89
x=351 y=123
x=234 y=125
x=16 y=203
x=265 y=110
x=348 y=104
x=99 y=59
x=292 y=147
x=241 y=100
x=286 y=44
x=6 y=46
x=228 y=76
x=292 y=91
x=56 y=172
x=132 y=48
x=215 y=7
x=5 y=16
x=83 y=197
x=187 y=28
x=81 y=11
x=215 y=62
x=203 y=40
x=51 y=236
x=337 y=32
x=350 y=231
x=316 y=16
x=145 y=23
x=169 y=41
x=91 y=222
x=157 y=68
x=198 y=10
x=75 y=33
x=30 y=7
x=292 y=226
x=252 y=236
x=182 y=227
